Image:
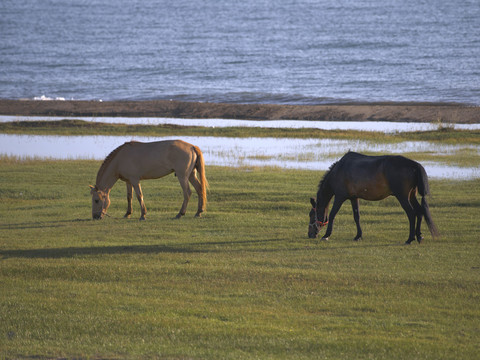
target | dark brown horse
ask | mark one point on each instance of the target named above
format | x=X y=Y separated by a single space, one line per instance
x=356 y=176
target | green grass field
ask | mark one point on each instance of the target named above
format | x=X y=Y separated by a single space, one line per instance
x=243 y=282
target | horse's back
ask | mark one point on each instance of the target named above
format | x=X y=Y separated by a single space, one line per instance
x=362 y=176
x=154 y=159
x=376 y=177
x=357 y=166
x=389 y=164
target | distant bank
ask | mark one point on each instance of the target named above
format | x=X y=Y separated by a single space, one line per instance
x=385 y=111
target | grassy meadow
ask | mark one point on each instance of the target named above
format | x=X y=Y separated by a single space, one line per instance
x=243 y=282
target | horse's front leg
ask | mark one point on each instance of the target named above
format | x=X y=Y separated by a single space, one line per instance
x=331 y=217
x=138 y=192
x=356 y=217
x=129 y=200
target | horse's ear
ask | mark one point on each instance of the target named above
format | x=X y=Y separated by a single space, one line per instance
x=312 y=201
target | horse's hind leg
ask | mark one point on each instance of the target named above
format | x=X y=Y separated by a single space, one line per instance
x=129 y=200
x=407 y=207
x=198 y=188
x=187 y=192
x=419 y=213
x=356 y=217
x=138 y=192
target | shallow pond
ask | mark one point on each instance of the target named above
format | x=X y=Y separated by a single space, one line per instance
x=312 y=154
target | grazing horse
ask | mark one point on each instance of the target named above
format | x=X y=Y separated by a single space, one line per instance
x=356 y=176
x=135 y=161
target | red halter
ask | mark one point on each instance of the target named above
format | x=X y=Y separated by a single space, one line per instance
x=321 y=224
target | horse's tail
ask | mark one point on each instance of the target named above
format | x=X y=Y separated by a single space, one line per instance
x=424 y=190
x=200 y=166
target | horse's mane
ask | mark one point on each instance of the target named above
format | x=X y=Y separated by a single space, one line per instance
x=325 y=178
x=109 y=159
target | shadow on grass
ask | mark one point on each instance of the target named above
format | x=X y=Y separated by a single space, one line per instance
x=70 y=252
x=41 y=224
x=187 y=248
x=192 y=248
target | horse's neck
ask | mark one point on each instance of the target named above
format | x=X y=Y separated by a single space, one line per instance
x=324 y=196
x=106 y=177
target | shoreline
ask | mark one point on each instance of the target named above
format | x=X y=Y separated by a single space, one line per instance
x=383 y=111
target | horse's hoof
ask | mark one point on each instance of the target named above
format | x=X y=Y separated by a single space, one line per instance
x=142 y=218
x=419 y=239
x=127 y=216
x=408 y=242
x=178 y=216
x=198 y=215
x=357 y=238
x=325 y=238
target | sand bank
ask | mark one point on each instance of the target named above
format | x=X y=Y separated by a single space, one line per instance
x=394 y=112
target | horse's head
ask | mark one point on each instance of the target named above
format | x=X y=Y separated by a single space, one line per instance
x=315 y=225
x=100 y=202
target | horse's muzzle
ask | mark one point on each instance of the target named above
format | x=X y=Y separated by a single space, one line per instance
x=312 y=230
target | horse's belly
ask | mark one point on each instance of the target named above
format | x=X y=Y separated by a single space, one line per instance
x=368 y=185
x=371 y=191
x=137 y=171
x=372 y=196
x=155 y=174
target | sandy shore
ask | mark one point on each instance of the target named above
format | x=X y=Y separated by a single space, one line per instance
x=405 y=112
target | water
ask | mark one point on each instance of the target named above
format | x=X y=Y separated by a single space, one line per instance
x=250 y=51
x=311 y=154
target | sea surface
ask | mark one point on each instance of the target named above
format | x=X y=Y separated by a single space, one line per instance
x=249 y=51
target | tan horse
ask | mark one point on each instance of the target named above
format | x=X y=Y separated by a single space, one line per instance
x=135 y=161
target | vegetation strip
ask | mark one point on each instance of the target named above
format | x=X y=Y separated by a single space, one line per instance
x=81 y=127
